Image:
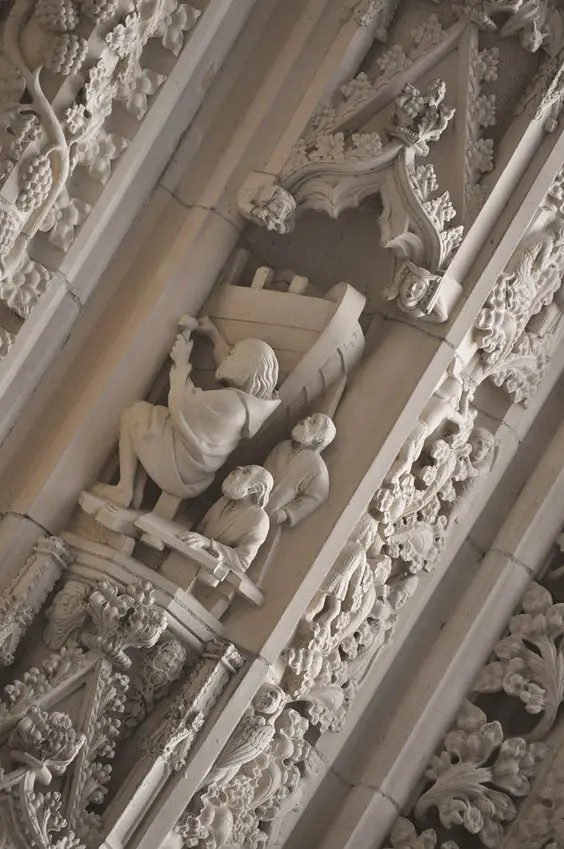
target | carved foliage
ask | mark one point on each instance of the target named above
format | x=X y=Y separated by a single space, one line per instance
x=482 y=771
x=24 y=595
x=123 y=620
x=512 y=356
x=534 y=22
x=529 y=663
x=468 y=793
x=261 y=769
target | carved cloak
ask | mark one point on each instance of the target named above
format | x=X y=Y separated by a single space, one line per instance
x=182 y=446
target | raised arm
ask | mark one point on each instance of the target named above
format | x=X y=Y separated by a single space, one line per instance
x=221 y=347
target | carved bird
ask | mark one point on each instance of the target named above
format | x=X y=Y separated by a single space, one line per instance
x=252 y=736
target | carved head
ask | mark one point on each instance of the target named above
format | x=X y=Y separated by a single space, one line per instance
x=413 y=290
x=483 y=445
x=316 y=431
x=273 y=208
x=250 y=365
x=249 y=482
x=437 y=91
x=365 y=531
x=269 y=699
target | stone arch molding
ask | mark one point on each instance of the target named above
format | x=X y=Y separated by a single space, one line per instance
x=335 y=171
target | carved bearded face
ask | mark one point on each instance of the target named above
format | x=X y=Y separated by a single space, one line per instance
x=316 y=431
x=248 y=481
x=238 y=483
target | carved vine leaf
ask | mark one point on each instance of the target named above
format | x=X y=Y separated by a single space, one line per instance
x=476 y=774
x=66 y=214
x=530 y=662
x=22 y=289
x=176 y=19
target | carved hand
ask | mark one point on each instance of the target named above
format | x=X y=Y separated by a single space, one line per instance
x=278 y=517
x=195 y=540
x=206 y=326
x=181 y=350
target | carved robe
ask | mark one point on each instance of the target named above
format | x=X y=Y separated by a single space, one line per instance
x=301 y=481
x=183 y=445
x=351 y=575
x=237 y=530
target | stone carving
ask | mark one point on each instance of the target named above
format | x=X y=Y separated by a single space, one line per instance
x=345 y=625
x=54 y=671
x=235 y=527
x=404 y=835
x=536 y=23
x=93 y=770
x=414 y=503
x=543 y=97
x=67 y=614
x=420 y=118
x=358 y=92
x=45 y=745
x=207 y=679
x=237 y=811
x=123 y=620
x=448 y=406
x=478 y=463
x=301 y=479
x=439 y=209
x=529 y=662
x=45 y=742
x=271 y=207
x=60 y=80
x=160 y=666
x=332 y=147
x=468 y=793
x=418 y=293
x=511 y=355
x=25 y=593
x=183 y=445
x=366 y=12
x=481 y=770
x=480 y=113
x=253 y=734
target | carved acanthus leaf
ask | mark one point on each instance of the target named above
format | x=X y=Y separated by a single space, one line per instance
x=476 y=774
x=530 y=663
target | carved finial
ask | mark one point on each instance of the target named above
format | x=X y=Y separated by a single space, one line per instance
x=420 y=118
x=271 y=207
x=123 y=620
